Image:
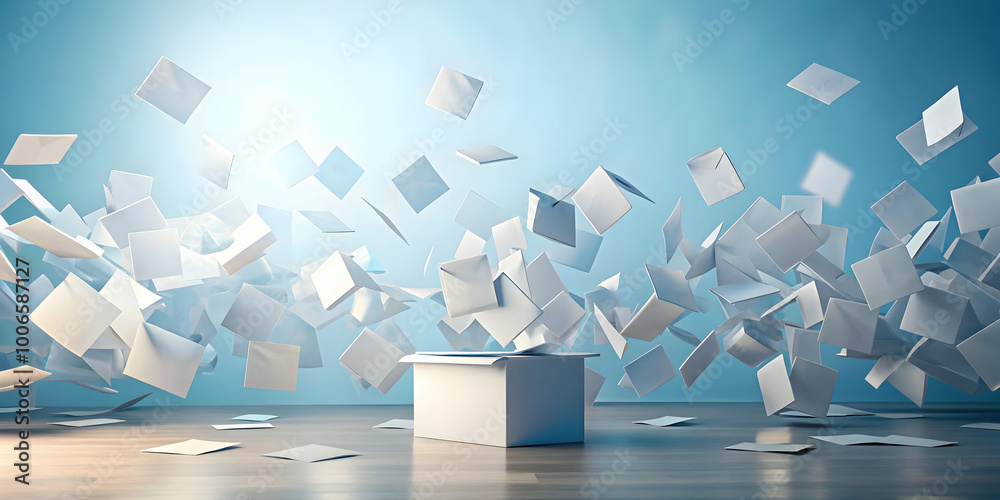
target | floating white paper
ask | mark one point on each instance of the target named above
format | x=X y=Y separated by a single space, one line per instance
x=454 y=93
x=485 y=154
x=38 y=149
x=822 y=83
x=172 y=90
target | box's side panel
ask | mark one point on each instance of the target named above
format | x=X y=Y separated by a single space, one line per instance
x=460 y=402
x=544 y=400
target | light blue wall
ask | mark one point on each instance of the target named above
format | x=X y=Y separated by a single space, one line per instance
x=554 y=81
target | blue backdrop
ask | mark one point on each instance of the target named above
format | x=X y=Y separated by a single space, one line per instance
x=638 y=86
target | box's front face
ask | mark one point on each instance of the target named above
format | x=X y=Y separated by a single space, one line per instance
x=460 y=402
x=545 y=402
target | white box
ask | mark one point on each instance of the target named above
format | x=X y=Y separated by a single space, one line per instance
x=498 y=399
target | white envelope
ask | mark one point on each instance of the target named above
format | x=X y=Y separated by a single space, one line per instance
x=699 y=359
x=581 y=256
x=827 y=178
x=127 y=188
x=74 y=315
x=508 y=236
x=715 y=175
x=812 y=384
x=789 y=241
x=887 y=276
x=850 y=325
x=669 y=285
x=974 y=206
x=142 y=215
x=470 y=246
x=943 y=117
x=155 y=254
x=339 y=173
x=803 y=344
x=388 y=222
x=467 y=285
x=272 y=366
x=982 y=351
x=420 y=184
x=592 y=383
x=551 y=218
x=479 y=215
x=191 y=447
x=38 y=149
x=652 y=319
x=822 y=83
x=914 y=140
x=54 y=241
x=375 y=360
x=775 y=386
x=253 y=314
x=251 y=238
x=338 y=277
x=454 y=93
x=485 y=154
x=164 y=360
x=325 y=221
x=649 y=371
x=514 y=311
x=543 y=279
x=292 y=164
x=172 y=90
x=35 y=198
x=601 y=200
x=217 y=162
x=903 y=209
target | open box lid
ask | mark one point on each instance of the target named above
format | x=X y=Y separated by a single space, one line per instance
x=482 y=358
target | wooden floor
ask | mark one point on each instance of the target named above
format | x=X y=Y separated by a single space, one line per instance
x=619 y=459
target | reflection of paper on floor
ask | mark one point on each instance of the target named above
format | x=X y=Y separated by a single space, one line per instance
x=772 y=448
x=894 y=440
x=989 y=426
x=396 y=423
x=191 y=447
x=899 y=416
x=90 y=422
x=83 y=413
x=312 y=453
x=255 y=417
x=239 y=427
x=664 y=421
